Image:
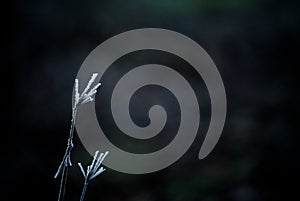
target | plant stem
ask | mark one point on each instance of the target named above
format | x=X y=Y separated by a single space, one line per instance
x=66 y=162
x=84 y=190
x=74 y=112
x=63 y=181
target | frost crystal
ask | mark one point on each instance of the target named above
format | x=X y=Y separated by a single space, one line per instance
x=86 y=95
x=92 y=171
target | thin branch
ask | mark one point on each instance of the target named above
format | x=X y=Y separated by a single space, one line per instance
x=83 y=191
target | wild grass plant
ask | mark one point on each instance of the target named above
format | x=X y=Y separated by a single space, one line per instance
x=94 y=169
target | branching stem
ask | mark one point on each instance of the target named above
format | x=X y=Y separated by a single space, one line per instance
x=79 y=99
x=66 y=161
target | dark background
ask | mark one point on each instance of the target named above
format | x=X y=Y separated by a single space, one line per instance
x=255 y=45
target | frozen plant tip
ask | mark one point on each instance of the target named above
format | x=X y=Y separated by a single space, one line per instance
x=87 y=94
x=79 y=99
x=92 y=171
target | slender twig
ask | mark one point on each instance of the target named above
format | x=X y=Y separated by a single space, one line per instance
x=85 y=97
x=83 y=191
x=63 y=181
x=92 y=171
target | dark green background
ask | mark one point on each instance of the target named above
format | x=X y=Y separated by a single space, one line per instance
x=255 y=45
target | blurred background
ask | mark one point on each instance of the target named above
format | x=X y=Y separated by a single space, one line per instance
x=254 y=44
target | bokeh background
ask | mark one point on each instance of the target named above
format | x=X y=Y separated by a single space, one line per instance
x=255 y=45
